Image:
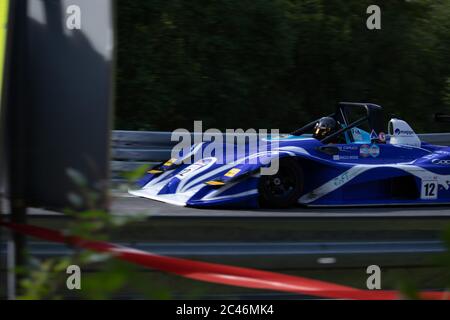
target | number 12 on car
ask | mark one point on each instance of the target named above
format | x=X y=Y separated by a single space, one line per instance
x=429 y=189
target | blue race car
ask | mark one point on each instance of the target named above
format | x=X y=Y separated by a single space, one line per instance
x=344 y=159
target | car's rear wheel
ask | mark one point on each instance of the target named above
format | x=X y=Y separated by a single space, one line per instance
x=283 y=189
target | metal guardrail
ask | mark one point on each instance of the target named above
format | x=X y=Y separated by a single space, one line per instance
x=131 y=149
x=436 y=138
x=294 y=256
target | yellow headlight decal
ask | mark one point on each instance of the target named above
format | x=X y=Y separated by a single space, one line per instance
x=170 y=162
x=154 y=171
x=232 y=172
x=215 y=183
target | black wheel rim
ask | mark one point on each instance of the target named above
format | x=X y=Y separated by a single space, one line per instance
x=280 y=185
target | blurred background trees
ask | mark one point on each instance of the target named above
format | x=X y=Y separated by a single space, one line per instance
x=278 y=63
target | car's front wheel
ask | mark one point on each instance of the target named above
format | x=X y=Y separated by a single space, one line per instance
x=282 y=189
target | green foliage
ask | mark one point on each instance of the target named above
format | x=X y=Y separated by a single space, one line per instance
x=444 y=259
x=134 y=175
x=43 y=279
x=408 y=288
x=46 y=279
x=447 y=94
x=112 y=278
x=277 y=63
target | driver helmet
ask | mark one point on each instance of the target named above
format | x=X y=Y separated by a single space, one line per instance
x=324 y=127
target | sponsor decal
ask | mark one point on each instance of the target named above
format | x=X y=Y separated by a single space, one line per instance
x=382 y=137
x=374 y=151
x=357 y=136
x=342 y=179
x=443 y=152
x=194 y=167
x=349 y=157
x=340 y=157
x=399 y=132
x=346 y=148
x=430 y=156
x=364 y=151
x=435 y=157
x=441 y=162
x=232 y=172
x=373 y=135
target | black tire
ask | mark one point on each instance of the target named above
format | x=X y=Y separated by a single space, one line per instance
x=283 y=189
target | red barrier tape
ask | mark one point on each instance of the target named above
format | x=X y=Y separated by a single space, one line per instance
x=217 y=273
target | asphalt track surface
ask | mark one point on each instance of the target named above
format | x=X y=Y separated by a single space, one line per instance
x=124 y=204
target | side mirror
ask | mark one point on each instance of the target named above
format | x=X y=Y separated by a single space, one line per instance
x=441 y=117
